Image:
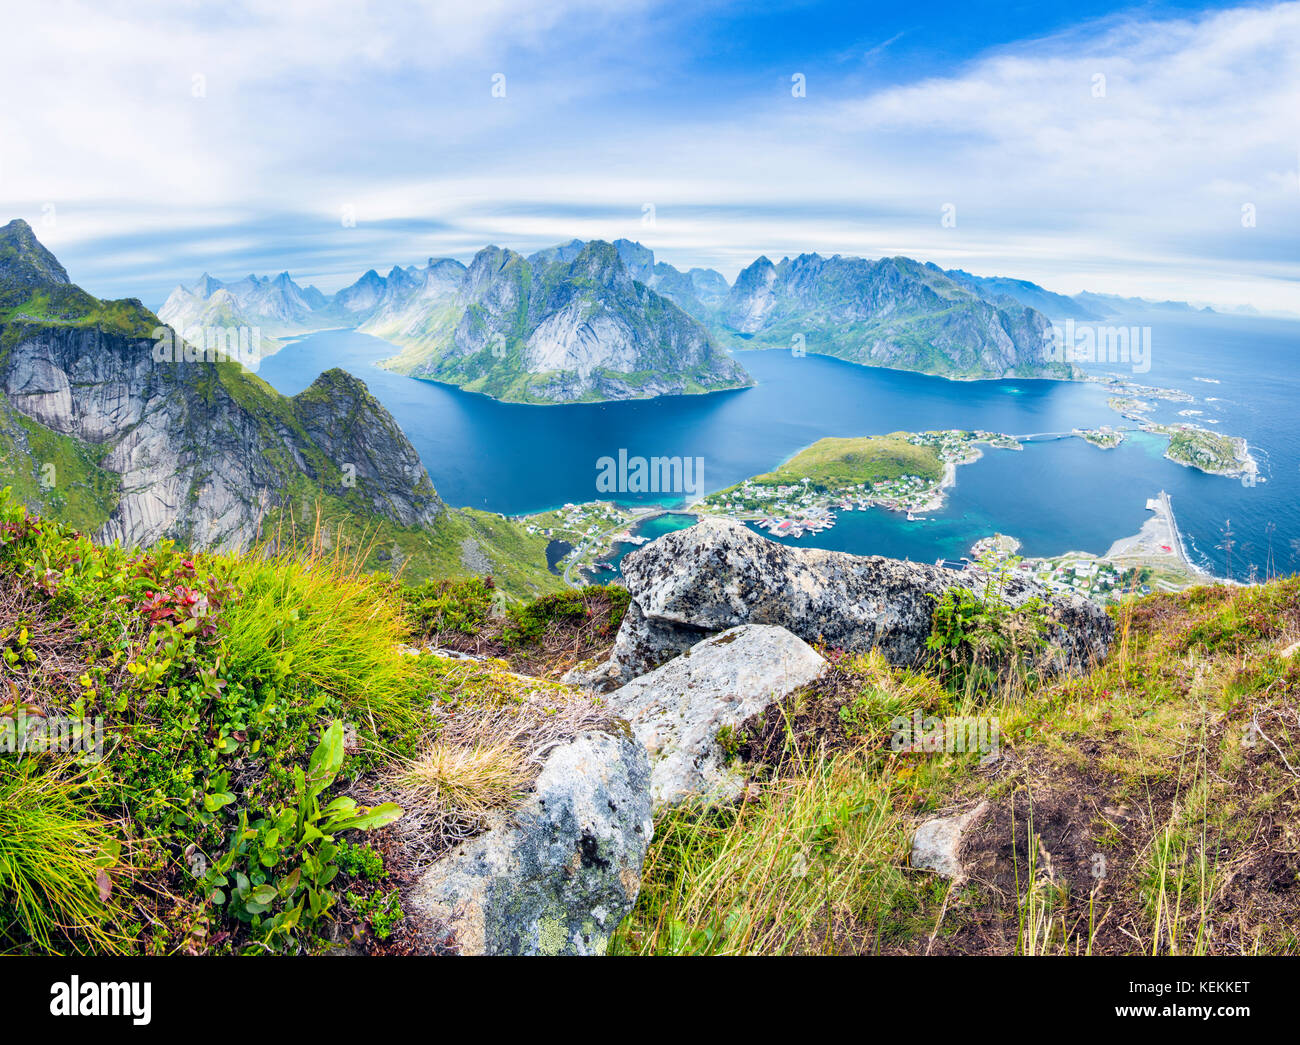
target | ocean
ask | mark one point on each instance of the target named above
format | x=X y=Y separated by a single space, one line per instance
x=1055 y=496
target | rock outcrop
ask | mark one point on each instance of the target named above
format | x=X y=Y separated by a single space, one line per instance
x=560 y=874
x=719 y=574
x=203 y=448
x=677 y=710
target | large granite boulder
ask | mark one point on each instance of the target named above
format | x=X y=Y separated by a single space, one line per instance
x=558 y=875
x=677 y=710
x=719 y=574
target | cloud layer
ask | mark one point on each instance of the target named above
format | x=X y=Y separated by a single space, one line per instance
x=1130 y=155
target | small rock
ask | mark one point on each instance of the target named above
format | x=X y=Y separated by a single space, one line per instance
x=936 y=846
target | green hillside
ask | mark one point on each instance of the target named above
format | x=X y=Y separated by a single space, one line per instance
x=841 y=462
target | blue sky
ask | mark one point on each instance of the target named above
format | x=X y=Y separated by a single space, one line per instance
x=1148 y=149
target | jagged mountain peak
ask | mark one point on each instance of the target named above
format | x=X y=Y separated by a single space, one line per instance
x=24 y=260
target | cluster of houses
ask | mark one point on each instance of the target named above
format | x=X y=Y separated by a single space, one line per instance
x=794 y=509
x=1095 y=579
x=574 y=521
x=955 y=444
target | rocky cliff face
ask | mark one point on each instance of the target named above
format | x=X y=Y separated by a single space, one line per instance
x=892 y=312
x=203 y=448
x=719 y=574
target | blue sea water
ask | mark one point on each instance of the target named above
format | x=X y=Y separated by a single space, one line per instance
x=1056 y=496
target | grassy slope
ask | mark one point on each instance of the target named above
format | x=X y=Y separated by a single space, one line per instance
x=1177 y=762
x=55 y=474
x=1163 y=786
x=219 y=678
x=849 y=461
x=835 y=463
x=456 y=546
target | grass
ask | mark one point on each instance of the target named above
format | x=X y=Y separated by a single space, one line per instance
x=814 y=865
x=471 y=780
x=56 y=855
x=544 y=637
x=263 y=709
x=55 y=473
x=1147 y=806
x=838 y=462
x=253 y=706
x=320 y=624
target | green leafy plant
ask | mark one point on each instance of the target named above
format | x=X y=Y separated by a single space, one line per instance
x=276 y=876
x=979 y=640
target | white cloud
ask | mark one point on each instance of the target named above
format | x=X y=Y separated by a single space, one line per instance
x=387 y=107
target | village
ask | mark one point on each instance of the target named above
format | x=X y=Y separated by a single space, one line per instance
x=1149 y=561
x=590 y=531
x=1097 y=579
x=796 y=508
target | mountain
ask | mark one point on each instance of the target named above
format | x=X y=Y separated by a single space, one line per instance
x=109 y=420
x=275 y=304
x=405 y=293
x=568 y=324
x=200 y=319
x=700 y=292
x=1107 y=305
x=589 y=321
x=1030 y=295
x=892 y=312
x=25 y=264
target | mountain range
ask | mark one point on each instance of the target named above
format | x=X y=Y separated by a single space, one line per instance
x=113 y=425
x=589 y=321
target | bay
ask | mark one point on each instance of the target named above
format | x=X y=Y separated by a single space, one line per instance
x=1057 y=495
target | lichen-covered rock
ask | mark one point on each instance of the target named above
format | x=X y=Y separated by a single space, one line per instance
x=719 y=574
x=560 y=874
x=677 y=710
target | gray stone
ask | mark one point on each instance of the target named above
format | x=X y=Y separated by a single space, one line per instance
x=719 y=574
x=936 y=846
x=558 y=876
x=677 y=710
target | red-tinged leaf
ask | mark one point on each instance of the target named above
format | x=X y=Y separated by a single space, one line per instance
x=105 y=885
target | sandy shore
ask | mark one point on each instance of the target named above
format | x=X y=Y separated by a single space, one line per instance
x=1158 y=539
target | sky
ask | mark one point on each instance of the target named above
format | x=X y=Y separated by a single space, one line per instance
x=1149 y=150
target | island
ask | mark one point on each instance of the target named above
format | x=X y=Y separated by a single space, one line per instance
x=901 y=472
x=1208 y=451
x=1189 y=444
x=1105 y=437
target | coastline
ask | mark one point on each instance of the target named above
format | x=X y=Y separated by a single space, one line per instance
x=1158 y=540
